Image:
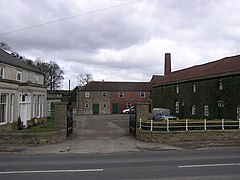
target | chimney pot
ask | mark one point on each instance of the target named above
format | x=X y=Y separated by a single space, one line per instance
x=167 y=69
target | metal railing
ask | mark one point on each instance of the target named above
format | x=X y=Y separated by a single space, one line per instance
x=188 y=125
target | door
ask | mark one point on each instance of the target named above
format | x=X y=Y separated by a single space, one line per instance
x=115 y=108
x=95 y=108
x=220 y=112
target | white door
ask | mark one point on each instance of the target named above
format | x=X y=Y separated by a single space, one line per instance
x=25 y=107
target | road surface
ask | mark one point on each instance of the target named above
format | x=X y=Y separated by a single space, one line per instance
x=205 y=164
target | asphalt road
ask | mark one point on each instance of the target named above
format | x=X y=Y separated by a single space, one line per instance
x=207 y=164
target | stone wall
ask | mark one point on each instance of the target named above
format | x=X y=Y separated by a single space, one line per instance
x=172 y=137
x=33 y=138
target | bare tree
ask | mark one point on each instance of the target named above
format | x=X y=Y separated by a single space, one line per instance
x=5 y=46
x=84 y=79
x=53 y=74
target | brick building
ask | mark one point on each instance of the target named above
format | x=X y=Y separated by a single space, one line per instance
x=210 y=90
x=111 y=97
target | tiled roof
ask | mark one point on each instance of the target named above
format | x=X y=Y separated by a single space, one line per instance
x=155 y=79
x=222 y=67
x=7 y=58
x=117 y=86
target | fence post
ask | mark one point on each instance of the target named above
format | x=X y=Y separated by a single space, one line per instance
x=186 y=125
x=223 y=124
x=140 y=124
x=205 y=124
x=151 y=125
x=167 y=125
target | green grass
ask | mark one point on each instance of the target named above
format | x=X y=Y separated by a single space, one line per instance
x=42 y=128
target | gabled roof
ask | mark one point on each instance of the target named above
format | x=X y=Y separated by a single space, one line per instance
x=117 y=86
x=7 y=58
x=155 y=79
x=222 y=67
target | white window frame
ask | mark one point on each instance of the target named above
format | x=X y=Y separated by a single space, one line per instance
x=177 y=89
x=193 y=109
x=34 y=105
x=104 y=94
x=121 y=94
x=194 y=88
x=220 y=85
x=206 y=110
x=87 y=105
x=238 y=112
x=37 y=79
x=42 y=102
x=177 y=107
x=5 y=109
x=104 y=105
x=87 y=94
x=12 y=97
x=142 y=94
x=19 y=74
x=220 y=103
x=38 y=106
x=1 y=72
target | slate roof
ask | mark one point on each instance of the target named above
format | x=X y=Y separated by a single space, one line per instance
x=117 y=86
x=222 y=67
x=7 y=58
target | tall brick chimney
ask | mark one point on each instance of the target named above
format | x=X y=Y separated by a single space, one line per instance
x=167 y=69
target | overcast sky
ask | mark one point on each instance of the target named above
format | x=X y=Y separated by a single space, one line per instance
x=121 y=43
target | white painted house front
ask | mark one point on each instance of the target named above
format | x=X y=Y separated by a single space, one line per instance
x=22 y=90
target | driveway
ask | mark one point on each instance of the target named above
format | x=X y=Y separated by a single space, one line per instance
x=99 y=134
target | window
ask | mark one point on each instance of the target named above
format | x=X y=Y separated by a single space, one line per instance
x=43 y=100
x=193 y=110
x=142 y=94
x=104 y=106
x=87 y=94
x=3 y=109
x=37 y=79
x=11 y=107
x=238 y=112
x=194 y=88
x=177 y=89
x=34 y=106
x=38 y=106
x=220 y=85
x=104 y=94
x=121 y=94
x=19 y=76
x=86 y=105
x=206 y=111
x=1 y=72
x=177 y=107
x=220 y=104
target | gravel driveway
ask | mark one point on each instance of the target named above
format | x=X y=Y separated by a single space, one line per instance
x=99 y=134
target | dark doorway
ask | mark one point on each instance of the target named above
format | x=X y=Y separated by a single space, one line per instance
x=115 y=108
x=95 y=108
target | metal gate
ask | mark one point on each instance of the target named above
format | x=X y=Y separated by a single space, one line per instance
x=132 y=123
x=69 y=120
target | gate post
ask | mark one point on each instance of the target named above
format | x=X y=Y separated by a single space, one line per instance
x=60 y=116
x=142 y=112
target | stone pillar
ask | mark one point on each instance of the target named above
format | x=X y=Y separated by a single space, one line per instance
x=60 y=116
x=142 y=111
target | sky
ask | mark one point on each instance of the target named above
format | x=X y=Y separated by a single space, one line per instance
x=121 y=40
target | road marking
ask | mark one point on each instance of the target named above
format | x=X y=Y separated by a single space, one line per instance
x=52 y=171
x=209 y=165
